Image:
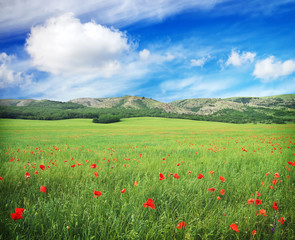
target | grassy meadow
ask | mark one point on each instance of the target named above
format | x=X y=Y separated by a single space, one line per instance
x=81 y=157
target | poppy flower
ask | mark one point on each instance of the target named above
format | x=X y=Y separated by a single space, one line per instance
x=18 y=214
x=42 y=167
x=277 y=175
x=123 y=190
x=200 y=176
x=212 y=172
x=177 y=164
x=93 y=166
x=161 y=177
x=274 y=182
x=281 y=220
x=176 y=176
x=218 y=198
x=73 y=166
x=262 y=212
x=43 y=189
x=181 y=225
x=211 y=189
x=253 y=232
x=258 y=194
x=189 y=172
x=96 y=174
x=97 y=193
x=27 y=175
x=222 y=179
x=275 y=206
x=1 y=178
x=258 y=202
x=234 y=227
x=36 y=172
x=222 y=192
x=135 y=183
x=149 y=203
x=250 y=201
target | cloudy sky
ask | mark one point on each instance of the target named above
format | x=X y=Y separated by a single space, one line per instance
x=166 y=50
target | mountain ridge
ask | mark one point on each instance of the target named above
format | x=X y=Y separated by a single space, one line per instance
x=270 y=109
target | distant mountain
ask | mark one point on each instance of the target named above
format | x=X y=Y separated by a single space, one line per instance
x=208 y=106
x=273 y=109
x=130 y=102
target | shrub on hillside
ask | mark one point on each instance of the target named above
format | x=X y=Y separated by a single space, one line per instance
x=107 y=118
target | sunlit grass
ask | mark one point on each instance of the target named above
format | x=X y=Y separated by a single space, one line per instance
x=133 y=151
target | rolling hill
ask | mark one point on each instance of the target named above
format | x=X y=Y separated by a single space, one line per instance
x=272 y=109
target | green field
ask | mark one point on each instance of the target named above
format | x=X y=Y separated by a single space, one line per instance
x=130 y=155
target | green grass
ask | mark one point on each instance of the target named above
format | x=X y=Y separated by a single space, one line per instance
x=69 y=209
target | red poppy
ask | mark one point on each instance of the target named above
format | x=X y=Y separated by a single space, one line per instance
x=27 y=175
x=177 y=164
x=42 y=167
x=253 y=232
x=181 y=225
x=161 y=177
x=211 y=189
x=96 y=174
x=149 y=203
x=36 y=172
x=189 y=172
x=18 y=214
x=93 y=166
x=123 y=190
x=262 y=212
x=1 y=178
x=135 y=183
x=97 y=193
x=222 y=192
x=277 y=175
x=218 y=198
x=258 y=194
x=258 y=202
x=250 y=201
x=176 y=176
x=274 y=182
x=73 y=166
x=222 y=178
x=275 y=206
x=212 y=172
x=200 y=176
x=281 y=220
x=234 y=227
x=43 y=189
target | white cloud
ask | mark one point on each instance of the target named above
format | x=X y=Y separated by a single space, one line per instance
x=236 y=59
x=144 y=54
x=270 y=69
x=193 y=87
x=199 y=62
x=22 y=14
x=154 y=58
x=64 y=45
x=8 y=76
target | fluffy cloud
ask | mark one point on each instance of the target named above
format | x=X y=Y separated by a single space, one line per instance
x=270 y=69
x=199 y=62
x=236 y=59
x=64 y=45
x=10 y=77
x=155 y=58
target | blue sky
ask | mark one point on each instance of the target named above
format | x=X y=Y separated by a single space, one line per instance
x=167 y=50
